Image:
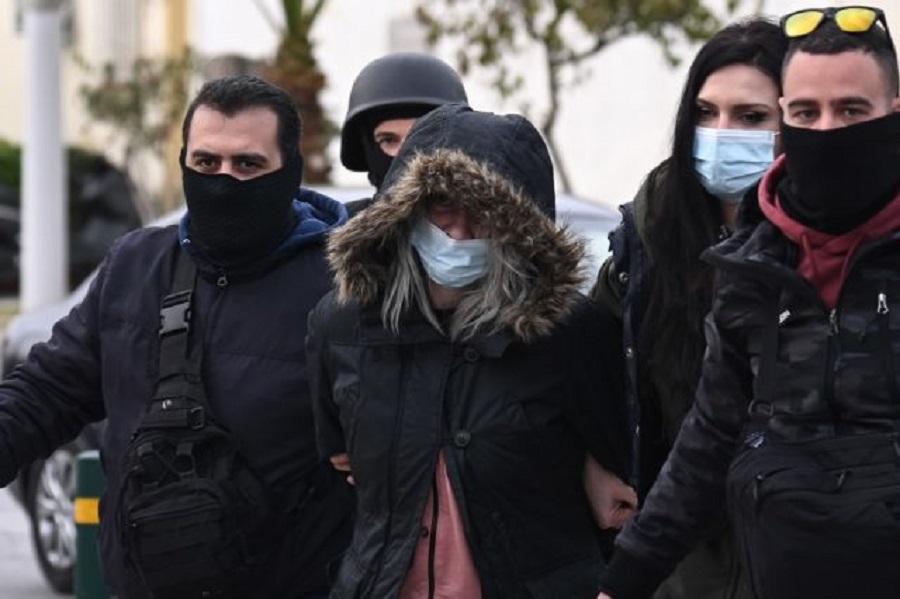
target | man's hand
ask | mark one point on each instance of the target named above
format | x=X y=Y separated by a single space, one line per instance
x=613 y=502
x=341 y=462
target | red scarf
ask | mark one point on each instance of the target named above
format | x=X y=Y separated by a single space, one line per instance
x=824 y=258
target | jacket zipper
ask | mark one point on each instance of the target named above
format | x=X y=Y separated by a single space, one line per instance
x=831 y=365
x=760 y=495
x=634 y=272
x=882 y=311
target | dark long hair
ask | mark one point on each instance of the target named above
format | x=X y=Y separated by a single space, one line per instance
x=683 y=220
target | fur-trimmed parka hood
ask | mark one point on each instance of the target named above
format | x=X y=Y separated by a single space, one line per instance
x=499 y=169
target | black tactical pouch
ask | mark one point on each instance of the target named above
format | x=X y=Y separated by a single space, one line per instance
x=819 y=518
x=192 y=513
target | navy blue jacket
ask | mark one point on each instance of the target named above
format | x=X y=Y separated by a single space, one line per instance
x=101 y=359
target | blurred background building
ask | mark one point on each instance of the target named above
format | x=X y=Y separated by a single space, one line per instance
x=612 y=128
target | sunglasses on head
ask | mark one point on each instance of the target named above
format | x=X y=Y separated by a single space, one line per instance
x=849 y=19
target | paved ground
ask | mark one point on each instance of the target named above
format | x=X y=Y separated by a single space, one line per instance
x=20 y=577
x=19 y=574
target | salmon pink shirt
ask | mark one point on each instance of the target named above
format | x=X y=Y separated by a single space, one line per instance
x=454 y=571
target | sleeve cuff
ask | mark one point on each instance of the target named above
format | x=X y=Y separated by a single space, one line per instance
x=329 y=445
x=630 y=577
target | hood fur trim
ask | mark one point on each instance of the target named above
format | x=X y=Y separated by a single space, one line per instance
x=361 y=252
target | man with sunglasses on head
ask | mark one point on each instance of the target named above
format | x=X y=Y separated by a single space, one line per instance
x=795 y=431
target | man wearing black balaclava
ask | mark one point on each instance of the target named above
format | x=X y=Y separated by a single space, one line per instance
x=794 y=431
x=387 y=97
x=252 y=243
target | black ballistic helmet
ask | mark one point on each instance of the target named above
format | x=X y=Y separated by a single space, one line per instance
x=402 y=80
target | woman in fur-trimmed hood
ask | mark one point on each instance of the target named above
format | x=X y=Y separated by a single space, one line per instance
x=460 y=376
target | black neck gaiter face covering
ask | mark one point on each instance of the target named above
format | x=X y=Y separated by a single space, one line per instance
x=235 y=222
x=377 y=161
x=839 y=178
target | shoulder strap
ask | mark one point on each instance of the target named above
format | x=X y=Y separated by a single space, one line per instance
x=181 y=350
x=762 y=408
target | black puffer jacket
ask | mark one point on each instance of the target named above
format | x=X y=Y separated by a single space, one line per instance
x=514 y=412
x=831 y=371
x=656 y=405
x=100 y=359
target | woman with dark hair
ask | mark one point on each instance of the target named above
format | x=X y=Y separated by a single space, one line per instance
x=724 y=138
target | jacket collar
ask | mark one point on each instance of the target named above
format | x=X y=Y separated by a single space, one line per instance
x=317 y=215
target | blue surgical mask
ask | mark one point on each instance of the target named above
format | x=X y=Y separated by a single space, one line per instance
x=730 y=161
x=449 y=262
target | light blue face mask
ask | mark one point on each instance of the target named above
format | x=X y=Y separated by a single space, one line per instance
x=729 y=161
x=449 y=262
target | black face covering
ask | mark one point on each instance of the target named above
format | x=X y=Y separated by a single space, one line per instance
x=839 y=178
x=377 y=161
x=236 y=222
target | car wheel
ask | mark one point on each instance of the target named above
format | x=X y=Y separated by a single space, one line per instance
x=51 y=499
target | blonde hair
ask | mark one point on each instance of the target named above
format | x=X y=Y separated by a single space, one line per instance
x=507 y=282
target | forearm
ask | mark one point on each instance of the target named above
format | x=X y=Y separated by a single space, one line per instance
x=48 y=400
x=685 y=505
x=612 y=501
x=632 y=577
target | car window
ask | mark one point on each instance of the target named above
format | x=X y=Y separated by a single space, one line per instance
x=593 y=222
x=597 y=251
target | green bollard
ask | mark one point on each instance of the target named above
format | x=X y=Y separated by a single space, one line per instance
x=89 y=484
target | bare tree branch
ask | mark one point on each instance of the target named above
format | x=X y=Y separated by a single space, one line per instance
x=488 y=33
x=267 y=15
